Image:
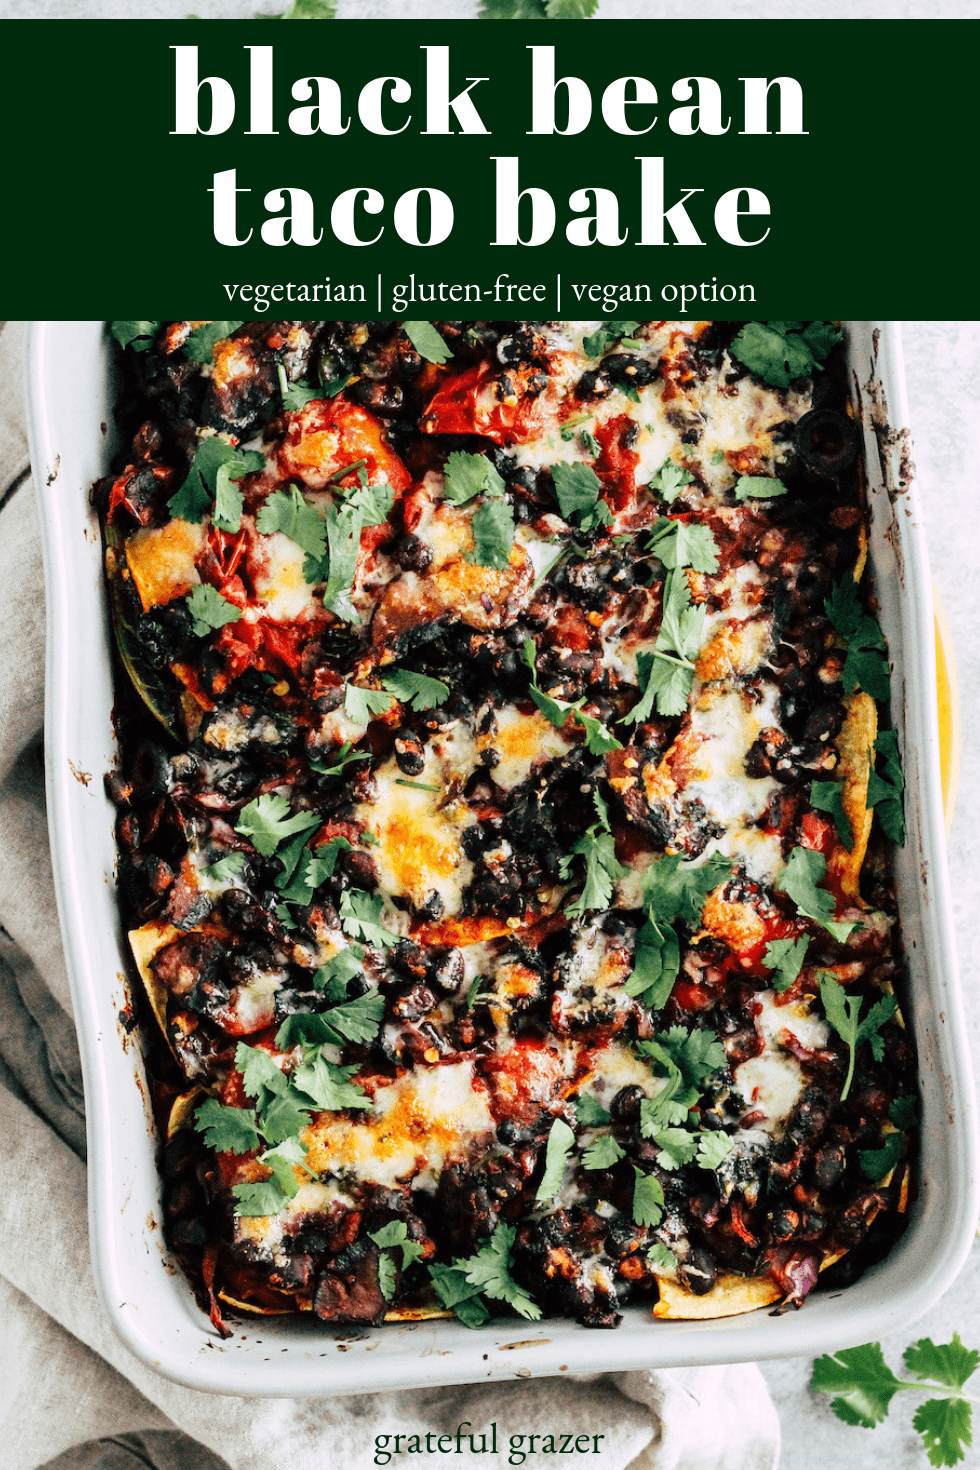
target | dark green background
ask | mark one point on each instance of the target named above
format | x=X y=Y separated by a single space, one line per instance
x=872 y=213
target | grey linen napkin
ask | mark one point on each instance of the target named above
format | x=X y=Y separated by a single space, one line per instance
x=72 y=1396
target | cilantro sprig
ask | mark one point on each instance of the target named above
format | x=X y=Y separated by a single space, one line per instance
x=667 y=674
x=212 y=484
x=138 y=335
x=487 y=1273
x=678 y=544
x=672 y=890
x=843 y=1012
x=202 y=341
x=864 y=1386
x=389 y=1239
x=609 y=333
x=670 y=480
x=561 y=1140
x=468 y=476
x=579 y=492
x=803 y=871
x=866 y=662
x=210 y=610
x=779 y=352
x=427 y=341
x=282 y=1103
x=885 y=787
x=602 y=869
x=598 y=737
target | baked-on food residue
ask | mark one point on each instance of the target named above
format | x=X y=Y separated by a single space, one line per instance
x=504 y=815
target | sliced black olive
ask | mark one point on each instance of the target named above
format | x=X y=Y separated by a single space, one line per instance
x=826 y=440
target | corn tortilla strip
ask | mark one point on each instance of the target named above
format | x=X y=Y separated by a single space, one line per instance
x=146 y=944
x=182 y=1112
x=855 y=749
x=730 y=1296
x=256 y=1311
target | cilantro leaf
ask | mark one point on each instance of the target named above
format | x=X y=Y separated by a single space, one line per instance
x=678 y=544
x=714 y=1148
x=785 y=957
x=418 y=691
x=798 y=880
x=201 y=342
x=387 y=1275
x=656 y=962
x=575 y=10
x=866 y=663
x=289 y=512
x=876 y=1163
x=266 y=1198
x=344 y=756
x=843 y=1011
x=677 y=1147
x=262 y=1079
x=696 y=1054
x=493 y=534
x=371 y=502
x=664 y=683
x=334 y=975
x=579 y=492
x=949 y=1363
x=457 y=1295
x=560 y=1141
x=389 y=1238
x=267 y=822
x=226 y=868
x=228 y=501
x=227 y=1130
x=861 y=1379
x=470 y=475
x=194 y=497
x=427 y=341
x=843 y=606
x=759 y=487
x=603 y=1153
x=828 y=796
x=296 y=395
x=338 y=568
x=648 y=1199
x=210 y=610
x=661 y=1255
x=138 y=335
x=904 y=1112
x=360 y=915
x=602 y=867
x=885 y=788
x=670 y=479
x=358 y=1020
x=361 y=704
x=589 y=1113
x=779 y=352
x=512 y=10
x=946 y=1426
x=610 y=332
x=489 y=1270
x=674 y=889
x=307 y=10
x=327 y=1086
x=598 y=737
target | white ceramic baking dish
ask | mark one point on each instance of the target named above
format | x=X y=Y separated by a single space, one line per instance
x=148 y=1301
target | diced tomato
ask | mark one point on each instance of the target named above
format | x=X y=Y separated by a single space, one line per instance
x=817 y=833
x=690 y=997
x=467 y=403
x=616 y=466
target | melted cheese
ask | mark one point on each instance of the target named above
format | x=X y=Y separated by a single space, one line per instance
x=276 y=569
x=162 y=561
x=418 y=835
x=521 y=741
x=773 y=1081
x=415 y=1127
